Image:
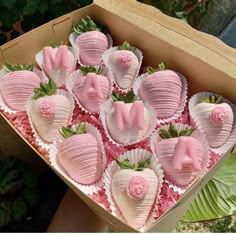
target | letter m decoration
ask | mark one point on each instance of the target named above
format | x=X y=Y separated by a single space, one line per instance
x=56 y=60
x=129 y=118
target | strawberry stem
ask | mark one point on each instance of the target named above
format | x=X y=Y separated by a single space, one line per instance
x=45 y=89
x=17 y=67
x=55 y=45
x=172 y=132
x=130 y=97
x=73 y=130
x=84 y=70
x=126 y=46
x=139 y=166
x=161 y=67
x=86 y=25
x=213 y=99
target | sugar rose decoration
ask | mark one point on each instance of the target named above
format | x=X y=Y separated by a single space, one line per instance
x=137 y=187
x=47 y=108
x=124 y=59
x=219 y=115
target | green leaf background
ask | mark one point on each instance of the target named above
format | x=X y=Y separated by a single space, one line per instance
x=218 y=198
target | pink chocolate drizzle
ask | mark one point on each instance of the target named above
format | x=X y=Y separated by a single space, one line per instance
x=91 y=45
x=16 y=87
x=162 y=90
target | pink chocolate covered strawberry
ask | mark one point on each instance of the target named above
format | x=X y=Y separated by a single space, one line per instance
x=91 y=87
x=134 y=188
x=180 y=154
x=91 y=41
x=18 y=85
x=80 y=155
x=127 y=120
x=215 y=118
x=124 y=64
x=58 y=63
x=49 y=110
x=162 y=89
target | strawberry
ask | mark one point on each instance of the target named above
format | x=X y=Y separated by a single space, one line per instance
x=162 y=89
x=124 y=64
x=180 y=153
x=49 y=110
x=91 y=87
x=127 y=120
x=90 y=40
x=215 y=118
x=17 y=85
x=134 y=189
x=57 y=63
x=80 y=155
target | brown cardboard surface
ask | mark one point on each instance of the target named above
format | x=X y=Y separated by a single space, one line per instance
x=207 y=63
x=152 y=20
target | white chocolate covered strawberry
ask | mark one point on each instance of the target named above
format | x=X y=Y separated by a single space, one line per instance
x=162 y=89
x=58 y=63
x=134 y=189
x=181 y=154
x=127 y=120
x=91 y=88
x=124 y=64
x=49 y=111
x=18 y=85
x=91 y=41
x=215 y=118
x=80 y=155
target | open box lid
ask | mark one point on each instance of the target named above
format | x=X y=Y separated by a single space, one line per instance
x=207 y=48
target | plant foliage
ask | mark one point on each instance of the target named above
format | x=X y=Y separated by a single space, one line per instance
x=218 y=198
x=18 y=190
x=190 y=11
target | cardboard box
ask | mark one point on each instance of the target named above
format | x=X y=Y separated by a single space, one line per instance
x=208 y=64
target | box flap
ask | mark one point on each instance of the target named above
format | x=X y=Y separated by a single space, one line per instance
x=179 y=34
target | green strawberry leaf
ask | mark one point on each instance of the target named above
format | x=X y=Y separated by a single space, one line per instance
x=190 y=131
x=151 y=70
x=17 y=67
x=86 y=25
x=70 y=131
x=172 y=130
x=84 y=70
x=126 y=46
x=164 y=134
x=45 y=89
x=213 y=99
x=125 y=164
x=81 y=128
x=128 y=98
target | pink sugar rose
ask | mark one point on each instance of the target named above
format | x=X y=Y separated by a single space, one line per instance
x=219 y=115
x=137 y=187
x=124 y=59
x=47 y=108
